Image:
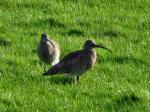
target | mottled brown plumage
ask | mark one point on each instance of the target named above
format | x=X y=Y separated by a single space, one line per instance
x=78 y=62
x=48 y=50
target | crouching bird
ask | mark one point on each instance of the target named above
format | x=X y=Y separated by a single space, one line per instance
x=78 y=62
x=48 y=50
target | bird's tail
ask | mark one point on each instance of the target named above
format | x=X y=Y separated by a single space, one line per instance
x=52 y=71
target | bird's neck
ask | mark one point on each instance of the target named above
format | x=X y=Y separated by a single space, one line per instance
x=43 y=42
x=90 y=50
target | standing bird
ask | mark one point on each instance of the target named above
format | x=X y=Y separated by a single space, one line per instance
x=48 y=50
x=78 y=62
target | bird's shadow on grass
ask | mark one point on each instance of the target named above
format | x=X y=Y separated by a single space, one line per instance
x=62 y=80
x=113 y=33
x=125 y=59
x=124 y=100
x=74 y=32
x=48 y=22
x=110 y=34
x=4 y=42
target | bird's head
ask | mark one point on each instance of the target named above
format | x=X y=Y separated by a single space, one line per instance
x=44 y=37
x=90 y=44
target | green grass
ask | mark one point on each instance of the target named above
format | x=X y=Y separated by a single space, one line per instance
x=119 y=82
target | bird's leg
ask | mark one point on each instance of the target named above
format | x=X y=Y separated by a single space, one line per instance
x=44 y=66
x=44 y=69
x=76 y=79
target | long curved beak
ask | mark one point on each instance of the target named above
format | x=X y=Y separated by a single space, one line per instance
x=100 y=46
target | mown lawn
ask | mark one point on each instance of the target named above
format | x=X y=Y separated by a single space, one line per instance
x=119 y=81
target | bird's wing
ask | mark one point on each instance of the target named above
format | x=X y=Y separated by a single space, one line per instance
x=50 y=43
x=53 y=43
x=73 y=62
x=71 y=56
x=64 y=65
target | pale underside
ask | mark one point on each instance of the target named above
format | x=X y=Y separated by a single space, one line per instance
x=49 y=52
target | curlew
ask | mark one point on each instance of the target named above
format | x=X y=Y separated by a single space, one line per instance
x=78 y=62
x=48 y=50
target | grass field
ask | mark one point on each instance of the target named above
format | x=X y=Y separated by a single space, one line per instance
x=119 y=81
